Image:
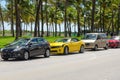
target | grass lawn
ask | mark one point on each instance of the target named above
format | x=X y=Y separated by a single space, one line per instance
x=6 y=40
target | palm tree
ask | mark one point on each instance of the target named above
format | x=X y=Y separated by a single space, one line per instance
x=93 y=15
x=115 y=10
x=10 y=15
x=42 y=18
x=46 y=14
x=118 y=29
x=78 y=16
x=17 y=19
x=65 y=18
x=1 y=16
x=38 y=4
x=12 y=21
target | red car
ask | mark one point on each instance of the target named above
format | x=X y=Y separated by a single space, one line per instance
x=114 y=42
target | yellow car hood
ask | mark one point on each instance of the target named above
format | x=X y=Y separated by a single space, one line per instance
x=56 y=44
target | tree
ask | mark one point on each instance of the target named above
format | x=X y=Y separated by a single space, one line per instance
x=42 y=19
x=65 y=18
x=37 y=17
x=17 y=14
x=93 y=15
x=118 y=28
x=2 y=20
x=46 y=10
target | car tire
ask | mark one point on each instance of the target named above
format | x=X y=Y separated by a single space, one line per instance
x=95 y=48
x=106 y=47
x=82 y=49
x=26 y=55
x=47 y=53
x=66 y=50
x=5 y=59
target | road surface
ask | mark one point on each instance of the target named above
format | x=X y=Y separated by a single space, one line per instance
x=92 y=65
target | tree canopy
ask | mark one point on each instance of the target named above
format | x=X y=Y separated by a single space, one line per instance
x=57 y=17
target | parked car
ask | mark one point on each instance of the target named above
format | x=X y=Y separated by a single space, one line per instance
x=95 y=41
x=67 y=45
x=114 y=42
x=26 y=48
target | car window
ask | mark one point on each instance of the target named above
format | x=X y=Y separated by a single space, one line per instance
x=20 y=42
x=40 y=40
x=74 y=40
x=90 y=36
x=104 y=36
x=99 y=37
x=116 y=38
x=34 y=41
x=62 y=40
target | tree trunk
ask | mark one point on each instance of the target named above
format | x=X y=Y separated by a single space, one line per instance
x=20 y=27
x=1 y=15
x=12 y=21
x=112 y=21
x=93 y=15
x=69 y=28
x=100 y=18
x=103 y=24
x=31 y=28
x=17 y=19
x=78 y=21
x=65 y=19
x=38 y=27
x=118 y=28
x=53 y=29
x=56 y=18
x=59 y=30
x=37 y=18
x=46 y=1
x=42 y=22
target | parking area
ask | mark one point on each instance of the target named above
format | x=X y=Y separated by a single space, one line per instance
x=91 y=65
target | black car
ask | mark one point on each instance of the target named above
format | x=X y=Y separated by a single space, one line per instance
x=26 y=48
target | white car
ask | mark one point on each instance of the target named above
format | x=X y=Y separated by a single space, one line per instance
x=95 y=41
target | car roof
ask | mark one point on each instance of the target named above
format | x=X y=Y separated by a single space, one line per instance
x=95 y=33
x=37 y=37
x=68 y=38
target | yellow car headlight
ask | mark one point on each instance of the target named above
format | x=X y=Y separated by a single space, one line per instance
x=63 y=45
x=55 y=46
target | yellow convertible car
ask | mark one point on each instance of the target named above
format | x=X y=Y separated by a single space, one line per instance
x=67 y=45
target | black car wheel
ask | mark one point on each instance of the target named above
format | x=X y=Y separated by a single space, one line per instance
x=106 y=47
x=5 y=59
x=47 y=53
x=82 y=49
x=66 y=50
x=95 y=48
x=26 y=55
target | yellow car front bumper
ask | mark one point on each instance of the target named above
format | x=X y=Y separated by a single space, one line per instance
x=58 y=50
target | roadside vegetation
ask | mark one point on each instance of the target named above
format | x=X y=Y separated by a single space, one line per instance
x=6 y=40
x=80 y=16
x=52 y=19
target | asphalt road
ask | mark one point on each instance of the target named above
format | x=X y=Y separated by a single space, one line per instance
x=92 y=65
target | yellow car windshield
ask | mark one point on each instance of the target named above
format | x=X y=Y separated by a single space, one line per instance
x=62 y=40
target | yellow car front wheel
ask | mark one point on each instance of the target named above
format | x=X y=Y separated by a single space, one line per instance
x=82 y=49
x=66 y=50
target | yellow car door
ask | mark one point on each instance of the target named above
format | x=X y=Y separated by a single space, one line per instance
x=76 y=44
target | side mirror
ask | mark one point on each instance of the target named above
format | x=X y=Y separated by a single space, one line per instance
x=29 y=44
